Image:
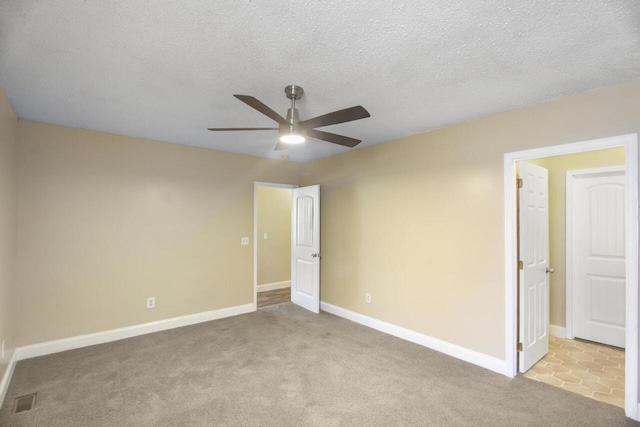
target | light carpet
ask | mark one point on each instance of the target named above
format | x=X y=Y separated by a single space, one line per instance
x=283 y=366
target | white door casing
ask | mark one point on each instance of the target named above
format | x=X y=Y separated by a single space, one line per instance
x=534 y=254
x=305 y=247
x=596 y=281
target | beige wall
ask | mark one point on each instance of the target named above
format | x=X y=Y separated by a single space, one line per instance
x=557 y=167
x=8 y=194
x=105 y=221
x=419 y=222
x=274 y=218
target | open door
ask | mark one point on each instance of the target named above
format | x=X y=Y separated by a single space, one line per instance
x=305 y=247
x=534 y=265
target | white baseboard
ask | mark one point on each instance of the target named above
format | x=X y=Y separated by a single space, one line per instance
x=471 y=356
x=558 y=331
x=6 y=378
x=80 y=341
x=273 y=286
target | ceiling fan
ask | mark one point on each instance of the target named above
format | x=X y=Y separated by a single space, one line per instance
x=293 y=130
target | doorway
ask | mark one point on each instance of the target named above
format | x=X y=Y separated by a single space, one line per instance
x=586 y=189
x=629 y=143
x=272 y=243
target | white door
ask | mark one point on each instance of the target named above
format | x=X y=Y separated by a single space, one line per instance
x=305 y=247
x=534 y=272
x=598 y=280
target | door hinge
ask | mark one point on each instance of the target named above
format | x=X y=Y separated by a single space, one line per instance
x=520 y=265
x=519 y=346
x=519 y=182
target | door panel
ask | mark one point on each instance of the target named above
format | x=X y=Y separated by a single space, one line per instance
x=304 y=277
x=534 y=254
x=305 y=248
x=598 y=275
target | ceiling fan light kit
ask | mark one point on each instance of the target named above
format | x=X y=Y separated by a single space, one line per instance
x=294 y=131
x=292 y=138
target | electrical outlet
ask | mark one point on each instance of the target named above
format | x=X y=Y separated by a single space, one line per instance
x=244 y=241
x=151 y=302
x=265 y=236
x=367 y=298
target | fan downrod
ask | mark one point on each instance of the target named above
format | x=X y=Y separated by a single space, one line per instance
x=294 y=92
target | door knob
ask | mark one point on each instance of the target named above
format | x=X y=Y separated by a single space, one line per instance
x=315 y=255
x=549 y=270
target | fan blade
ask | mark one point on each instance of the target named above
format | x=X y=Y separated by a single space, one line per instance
x=341 y=116
x=254 y=103
x=332 y=137
x=226 y=129
x=281 y=146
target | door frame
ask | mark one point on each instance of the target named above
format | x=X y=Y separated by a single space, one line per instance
x=256 y=185
x=569 y=296
x=630 y=143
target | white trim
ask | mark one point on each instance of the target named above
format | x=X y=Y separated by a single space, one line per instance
x=558 y=331
x=568 y=262
x=569 y=183
x=6 y=378
x=257 y=184
x=273 y=286
x=511 y=268
x=80 y=341
x=630 y=143
x=631 y=228
x=471 y=356
x=273 y=185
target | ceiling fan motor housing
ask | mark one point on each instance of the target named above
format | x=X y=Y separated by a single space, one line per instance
x=291 y=127
x=293 y=117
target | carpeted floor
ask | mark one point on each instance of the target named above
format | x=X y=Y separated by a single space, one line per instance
x=283 y=366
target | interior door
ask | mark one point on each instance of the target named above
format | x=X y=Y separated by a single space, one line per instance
x=534 y=267
x=305 y=247
x=598 y=257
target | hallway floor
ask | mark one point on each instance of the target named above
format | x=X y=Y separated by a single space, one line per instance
x=583 y=367
x=277 y=296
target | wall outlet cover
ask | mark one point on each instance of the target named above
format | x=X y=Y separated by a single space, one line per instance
x=151 y=302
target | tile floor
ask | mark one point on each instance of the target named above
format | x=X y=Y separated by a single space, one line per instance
x=590 y=369
x=277 y=296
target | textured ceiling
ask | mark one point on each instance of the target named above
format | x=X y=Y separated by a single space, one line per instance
x=168 y=70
